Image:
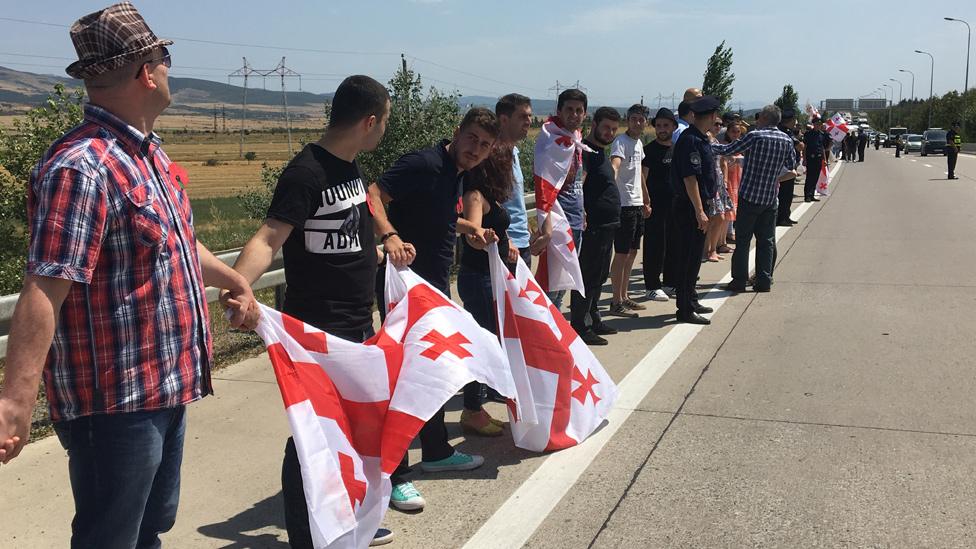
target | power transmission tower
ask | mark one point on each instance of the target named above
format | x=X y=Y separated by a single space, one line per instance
x=284 y=72
x=243 y=72
x=223 y=117
x=215 y=119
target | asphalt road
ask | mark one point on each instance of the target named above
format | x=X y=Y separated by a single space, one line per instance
x=835 y=411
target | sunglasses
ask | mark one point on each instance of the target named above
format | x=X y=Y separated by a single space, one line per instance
x=166 y=60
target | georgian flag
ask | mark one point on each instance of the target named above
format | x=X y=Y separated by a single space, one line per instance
x=354 y=408
x=562 y=391
x=837 y=127
x=556 y=149
x=823 y=182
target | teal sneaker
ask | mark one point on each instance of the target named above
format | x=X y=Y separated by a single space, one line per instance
x=406 y=497
x=457 y=462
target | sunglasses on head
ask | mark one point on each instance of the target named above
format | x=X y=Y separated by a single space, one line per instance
x=165 y=59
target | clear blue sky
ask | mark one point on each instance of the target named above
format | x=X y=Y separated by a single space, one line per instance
x=618 y=50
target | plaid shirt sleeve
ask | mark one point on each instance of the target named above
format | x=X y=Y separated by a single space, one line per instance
x=738 y=146
x=68 y=218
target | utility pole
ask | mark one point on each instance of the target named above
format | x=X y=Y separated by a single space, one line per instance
x=243 y=72
x=215 y=119
x=403 y=62
x=283 y=71
x=223 y=118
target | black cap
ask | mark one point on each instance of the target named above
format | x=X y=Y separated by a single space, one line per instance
x=707 y=103
x=788 y=114
x=663 y=113
x=956 y=124
x=730 y=116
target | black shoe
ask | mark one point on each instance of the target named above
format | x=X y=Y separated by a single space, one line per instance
x=808 y=200
x=735 y=286
x=762 y=288
x=590 y=338
x=494 y=396
x=381 y=537
x=784 y=223
x=815 y=199
x=603 y=330
x=953 y=177
x=693 y=318
x=703 y=309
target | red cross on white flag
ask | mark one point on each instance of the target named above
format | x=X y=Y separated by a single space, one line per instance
x=354 y=408
x=563 y=392
x=837 y=127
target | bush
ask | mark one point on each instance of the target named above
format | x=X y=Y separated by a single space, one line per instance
x=20 y=150
x=250 y=155
x=211 y=162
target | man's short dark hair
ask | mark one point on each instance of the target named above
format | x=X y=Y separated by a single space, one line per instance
x=605 y=113
x=683 y=109
x=571 y=94
x=506 y=105
x=483 y=118
x=637 y=108
x=357 y=97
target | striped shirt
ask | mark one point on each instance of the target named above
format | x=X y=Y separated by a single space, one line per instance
x=107 y=213
x=770 y=153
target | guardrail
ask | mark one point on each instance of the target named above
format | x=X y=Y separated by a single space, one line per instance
x=274 y=278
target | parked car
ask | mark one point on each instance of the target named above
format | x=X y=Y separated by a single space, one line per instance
x=911 y=142
x=933 y=141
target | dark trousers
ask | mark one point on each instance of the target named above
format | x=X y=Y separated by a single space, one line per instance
x=594 y=259
x=689 y=244
x=760 y=221
x=786 y=198
x=951 y=158
x=814 y=165
x=659 y=248
x=125 y=476
x=474 y=289
x=860 y=151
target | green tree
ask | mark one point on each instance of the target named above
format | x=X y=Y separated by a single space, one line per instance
x=417 y=120
x=20 y=150
x=718 y=74
x=789 y=100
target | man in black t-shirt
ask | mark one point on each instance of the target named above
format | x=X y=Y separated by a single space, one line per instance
x=601 y=202
x=320 y=218
x=422 y=190
x=658 y=249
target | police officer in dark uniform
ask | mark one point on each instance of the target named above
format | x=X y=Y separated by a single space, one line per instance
x=813 y=157
x=862 y=143
x=953 y=145
x=877 y=140
x=695 y=185
x=788 y=126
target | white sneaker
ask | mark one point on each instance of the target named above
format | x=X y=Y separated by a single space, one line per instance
x=670 y=291
x=656 y=295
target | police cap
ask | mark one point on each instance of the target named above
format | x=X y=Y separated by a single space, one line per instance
x=704 y=104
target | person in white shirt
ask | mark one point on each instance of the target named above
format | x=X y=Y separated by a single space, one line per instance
x=626 y=156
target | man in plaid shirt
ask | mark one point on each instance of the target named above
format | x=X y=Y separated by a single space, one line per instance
x=113 y=308
x=770 y=155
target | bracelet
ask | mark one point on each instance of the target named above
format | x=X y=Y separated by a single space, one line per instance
x=385 y=237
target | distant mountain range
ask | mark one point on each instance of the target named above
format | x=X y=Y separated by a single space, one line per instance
x=20 y=90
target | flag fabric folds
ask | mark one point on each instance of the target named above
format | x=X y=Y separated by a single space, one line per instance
x=556 y=150
x=354 y=408
x=563 y=392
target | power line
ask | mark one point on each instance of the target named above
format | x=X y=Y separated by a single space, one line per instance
x=415 y=58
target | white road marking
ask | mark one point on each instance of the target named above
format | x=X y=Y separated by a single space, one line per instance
x=913 y=160
x=518 y=518
x=927 y=165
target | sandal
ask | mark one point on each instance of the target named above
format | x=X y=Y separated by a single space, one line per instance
x=724 y=249
x=480 y=424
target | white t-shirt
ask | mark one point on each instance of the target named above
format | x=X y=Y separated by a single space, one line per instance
x=631 y=151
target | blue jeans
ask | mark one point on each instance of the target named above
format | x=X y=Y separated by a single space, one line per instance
x=557 y=297
x=753 y=219
x=125 y=476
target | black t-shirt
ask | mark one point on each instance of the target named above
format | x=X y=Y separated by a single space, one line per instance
x=814 y=142
x=330 y=257
x=601 y=199
x=693 y=156
x=496 y=219
x=425 y=187
x=657 y=160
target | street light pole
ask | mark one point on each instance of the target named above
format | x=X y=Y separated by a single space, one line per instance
x=969 y=34
x=913 y=81
x=892 y=89
x=931 y=76
x=899 y=90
